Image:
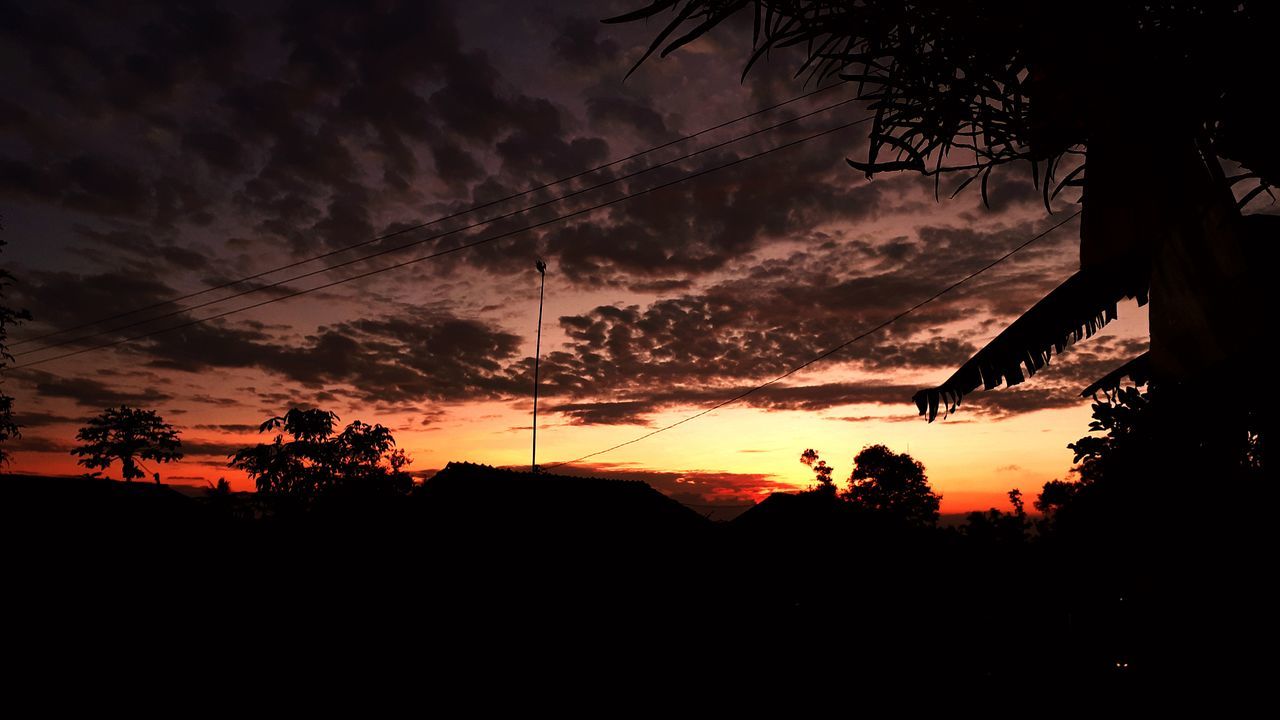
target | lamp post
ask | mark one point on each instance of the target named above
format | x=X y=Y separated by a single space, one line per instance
x=537 y=355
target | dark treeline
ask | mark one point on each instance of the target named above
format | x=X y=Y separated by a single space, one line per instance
x=1132 y=571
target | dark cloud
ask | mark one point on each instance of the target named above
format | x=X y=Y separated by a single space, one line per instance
x=696 y=228
x=427 y=356
x=605 y=413
x=92 y=184
x=579 y=44
x=66 y=299
x=33 y=443
x=34 y=419
x=631 y=114
x=207 y=448
x=877 y=418
x=218 y=149
x=307 y=134
x=807 y=398
x=218 y=401
x=229 y=427
x=693 y=487
x=1004 y=402
x=454 y=165
x=91 y=393
x=660 y=287
x=144 y=250
x=737 y=331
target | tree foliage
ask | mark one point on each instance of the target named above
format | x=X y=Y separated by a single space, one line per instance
x=967 y=85
x=1147 y=456
x=994 y=526
x=890 y=486
x=8 y=317
x=893 y=484
x=1111 y=468
x=129 y=435
x=316 y=460
x=821 y=471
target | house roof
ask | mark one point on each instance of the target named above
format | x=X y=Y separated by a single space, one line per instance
x=483 y=492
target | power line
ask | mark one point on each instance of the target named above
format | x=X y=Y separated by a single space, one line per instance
x=401 y=231
x=827 y=353
x=465 y=246
x=437 y=236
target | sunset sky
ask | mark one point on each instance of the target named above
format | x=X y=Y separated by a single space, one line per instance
x=151 y=151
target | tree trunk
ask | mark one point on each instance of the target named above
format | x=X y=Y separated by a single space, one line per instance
x=1159 y=206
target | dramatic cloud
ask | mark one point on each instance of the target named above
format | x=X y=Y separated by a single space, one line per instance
x=90 y=393
x=423 y=357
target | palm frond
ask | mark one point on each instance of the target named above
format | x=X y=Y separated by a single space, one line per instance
x=1075 y=310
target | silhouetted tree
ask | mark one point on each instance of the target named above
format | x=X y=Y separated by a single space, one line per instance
x=8 y=316
x=821 y=472
x=893 y=484
x=225 y=502
x=1149 y=450
x=129 y=435
x=315 y=461
x=999 y=527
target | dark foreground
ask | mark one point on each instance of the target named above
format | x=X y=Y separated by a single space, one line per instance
x=619 y=588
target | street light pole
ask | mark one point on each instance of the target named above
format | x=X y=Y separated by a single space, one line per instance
x=537 y=355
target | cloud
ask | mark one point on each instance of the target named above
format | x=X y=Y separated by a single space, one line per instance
x=878 y=418
x=208 y=448
x=605 y=413
x=65 y=299
x=92 y=184
x=145 y=251
x=694 y=487
x=619 y=112
x=32 y=419
x=426 y=356
x=311 y=122
x=579 y=44
x=237 y=428
x=698 y=227
x=91 y=393
x=34 y=443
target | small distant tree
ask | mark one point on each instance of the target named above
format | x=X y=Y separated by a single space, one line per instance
x=226 y=503
x=315 y=460
x=821 y=472
x=894 y=484
x=129 y=435
x=1001 y=527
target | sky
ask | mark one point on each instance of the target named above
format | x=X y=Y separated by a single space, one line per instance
x=154 y=150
